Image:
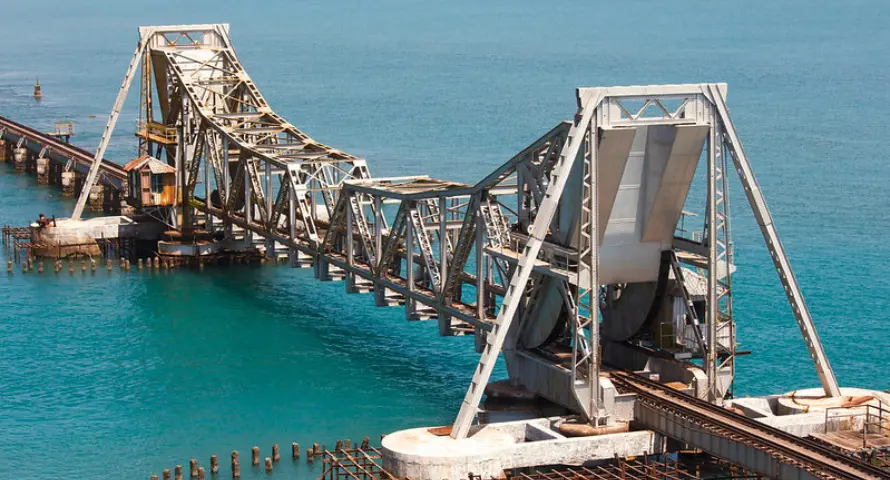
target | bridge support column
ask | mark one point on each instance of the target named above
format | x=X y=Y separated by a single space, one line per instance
x=43 y=170
x=97 y=198
x=298 y=259
x=326 y=272
x=68 y=180
x=20 y=156
x=384 y=297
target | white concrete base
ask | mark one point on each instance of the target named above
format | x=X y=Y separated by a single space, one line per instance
x=803 y=412
x=420 y=455
x=68 y=236
x=197 y=249
x=814 y=400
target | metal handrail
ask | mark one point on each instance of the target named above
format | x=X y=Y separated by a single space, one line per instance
x=882 y=414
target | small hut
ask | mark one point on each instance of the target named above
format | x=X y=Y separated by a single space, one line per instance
x=152 y=182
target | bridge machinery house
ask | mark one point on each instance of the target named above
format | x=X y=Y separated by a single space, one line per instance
x=152 y=183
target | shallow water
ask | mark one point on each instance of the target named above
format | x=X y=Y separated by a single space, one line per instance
x=120 y=376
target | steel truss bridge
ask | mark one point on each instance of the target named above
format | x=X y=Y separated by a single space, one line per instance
x=578 y=226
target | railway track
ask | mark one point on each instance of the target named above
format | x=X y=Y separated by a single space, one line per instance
x=816 y=458
x=66 y=150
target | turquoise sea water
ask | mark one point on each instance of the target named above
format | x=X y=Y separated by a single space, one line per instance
x=121 y=376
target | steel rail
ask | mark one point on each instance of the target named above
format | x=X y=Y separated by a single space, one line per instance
x=787 y=447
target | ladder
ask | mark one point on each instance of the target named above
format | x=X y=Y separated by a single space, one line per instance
x=494 y=341
x=109 y=128
x=461 y=253
x=426 y=248
x=358 y=219
x=496 y=226
x=436 y=215
x=690 y=309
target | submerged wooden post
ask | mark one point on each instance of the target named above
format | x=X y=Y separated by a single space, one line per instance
x=366 y=442
x=177 y=472
x=295 y=450
x=201 y=473
x=255 y=456
x=193 y=468
x=236 y=464
x=268 y=464
x=154 y=477
x=214 y=463
x=276 y=455
x=309 y=454
x=166 y=474
x=338 y=446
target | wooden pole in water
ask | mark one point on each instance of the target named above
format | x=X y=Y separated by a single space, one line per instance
x=214 y=461
x=201 y=473
x=193 y=468
x=236 y=465
x=309 y=454
x=166 y=474
x=154 y=477
x=177 y=472
x=366 y=442
x=255 y=456
x=268 y=464
x=276 y=455
x=295 y=450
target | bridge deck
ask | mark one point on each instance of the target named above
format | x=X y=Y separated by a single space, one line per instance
x=112 y=173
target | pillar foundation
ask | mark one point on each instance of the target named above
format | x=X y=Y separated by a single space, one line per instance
x=97 y=198
x=43 y=170
x=68 y=184
x=20 y=156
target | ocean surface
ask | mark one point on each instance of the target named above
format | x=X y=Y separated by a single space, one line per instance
x=123 y=375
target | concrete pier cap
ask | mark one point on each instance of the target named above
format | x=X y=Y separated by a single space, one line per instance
x=423 y=454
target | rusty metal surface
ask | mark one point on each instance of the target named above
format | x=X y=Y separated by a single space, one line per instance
x=715 y=427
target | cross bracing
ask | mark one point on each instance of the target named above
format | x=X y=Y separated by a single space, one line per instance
x=546 y=260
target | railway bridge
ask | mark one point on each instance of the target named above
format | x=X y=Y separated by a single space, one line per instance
x=574 y=258
x=54 y=160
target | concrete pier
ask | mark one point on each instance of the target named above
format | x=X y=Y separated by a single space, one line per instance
x=68 y=179
x=43 y=170
x=20 y=156
x=419 y=454
x=97 y=198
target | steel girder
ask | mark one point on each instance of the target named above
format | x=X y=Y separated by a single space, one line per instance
x=420 y=242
